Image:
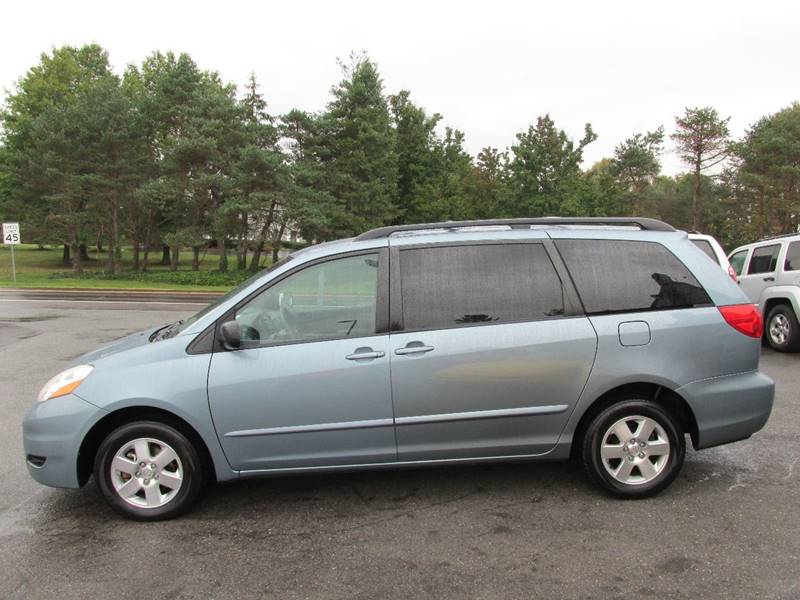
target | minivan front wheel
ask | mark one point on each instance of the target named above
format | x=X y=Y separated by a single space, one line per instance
x=782 y=329
x=148 y=471
x=633 y=449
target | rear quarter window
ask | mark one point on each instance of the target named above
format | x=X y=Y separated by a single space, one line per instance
x=625 y=276
x=792 y=260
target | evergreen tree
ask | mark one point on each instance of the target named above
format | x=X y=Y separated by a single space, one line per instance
x=766 y=184
x=702 y=140
x=544 y=171
x=356 y=144
x=635 y=166
x=261 y=177
x=42 y=165
x=418 y=159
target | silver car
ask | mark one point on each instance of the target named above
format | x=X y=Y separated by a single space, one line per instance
x=769 y=274
x=462 y=342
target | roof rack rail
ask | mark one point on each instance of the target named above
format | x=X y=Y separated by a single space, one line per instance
x=781 y=235
x=642 y=223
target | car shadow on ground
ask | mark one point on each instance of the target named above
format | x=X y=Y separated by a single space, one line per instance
x=394 y=491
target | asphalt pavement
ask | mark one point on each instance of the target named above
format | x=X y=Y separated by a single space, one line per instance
x=729 y=527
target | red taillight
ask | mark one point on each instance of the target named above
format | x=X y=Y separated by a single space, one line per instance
x=732 y=273
x=744 y=318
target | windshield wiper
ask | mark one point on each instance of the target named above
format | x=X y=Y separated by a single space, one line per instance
x=154 y=335
x=165 y=332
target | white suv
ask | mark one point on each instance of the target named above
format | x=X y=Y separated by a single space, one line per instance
x=769 y=273
x=713 y=250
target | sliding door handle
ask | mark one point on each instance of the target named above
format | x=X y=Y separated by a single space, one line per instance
x=413 y=350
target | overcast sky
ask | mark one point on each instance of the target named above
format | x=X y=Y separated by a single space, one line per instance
x=489 y=67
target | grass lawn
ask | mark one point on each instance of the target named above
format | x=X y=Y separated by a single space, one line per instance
x=42 y=268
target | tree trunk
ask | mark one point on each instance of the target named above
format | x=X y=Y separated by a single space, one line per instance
x=165 y=252
x=136 y=255
x=195 y=258
x=77 y=256
x=146 y=257
x=113 y=237
x=84 y=255
x=696 y=199
x=223 y=253
x=65 y=260
x=241 y=253
x=176 y=255
x=276 y=243
x=112 y=267
x=262 y=237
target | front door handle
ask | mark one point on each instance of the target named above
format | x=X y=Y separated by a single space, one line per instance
x=769 y=279
x=365 y=354
x=417 y=348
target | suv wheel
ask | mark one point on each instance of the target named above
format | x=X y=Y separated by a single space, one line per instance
x=148 y=471
x=633 y=449
x=783 y=332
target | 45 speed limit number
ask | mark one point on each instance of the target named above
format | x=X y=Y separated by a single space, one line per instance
x=11 y=233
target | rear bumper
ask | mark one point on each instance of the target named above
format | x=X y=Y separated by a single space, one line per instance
x=52 y=432
x=729 y=408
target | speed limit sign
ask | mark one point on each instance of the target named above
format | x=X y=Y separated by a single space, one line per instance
x=11 y=238
x=11 y=233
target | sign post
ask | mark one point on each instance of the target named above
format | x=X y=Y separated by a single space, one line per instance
x=11 y=238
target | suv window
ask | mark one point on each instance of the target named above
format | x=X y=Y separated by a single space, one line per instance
x=329 y=300
x=737 y=261
x=623 y=276
x=764 y=259
x=705 y=246
x=456 y=286
x=792 y=260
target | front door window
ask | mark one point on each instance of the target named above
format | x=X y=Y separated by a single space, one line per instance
x=330 y=300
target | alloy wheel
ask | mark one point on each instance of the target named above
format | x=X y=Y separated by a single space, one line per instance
x=635 y=450
x=779 y=329
x=146 y=473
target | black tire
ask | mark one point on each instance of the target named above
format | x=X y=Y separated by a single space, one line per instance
x=600 y=425
x=192 y=470
x=792 y=341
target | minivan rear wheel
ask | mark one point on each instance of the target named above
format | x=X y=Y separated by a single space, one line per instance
x=783 y=332
x=633 y=448
x=148 y=471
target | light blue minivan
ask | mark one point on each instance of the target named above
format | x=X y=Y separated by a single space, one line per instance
x=461 y=342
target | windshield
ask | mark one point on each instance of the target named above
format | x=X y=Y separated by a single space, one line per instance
x=176 y=328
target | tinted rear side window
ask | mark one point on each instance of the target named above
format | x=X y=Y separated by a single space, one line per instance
x=705 y=246
x=764 y=259
x=792 y=261
x=623 y=276
x=456 y=286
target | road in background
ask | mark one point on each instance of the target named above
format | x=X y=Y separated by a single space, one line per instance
x=108 y=298
x=728 y=527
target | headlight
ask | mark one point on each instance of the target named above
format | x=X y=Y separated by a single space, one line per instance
x=65 y=382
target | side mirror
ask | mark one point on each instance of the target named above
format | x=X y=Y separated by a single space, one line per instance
x=231 y=335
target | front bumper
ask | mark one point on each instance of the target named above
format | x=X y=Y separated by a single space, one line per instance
x=53 y=431
x=729 y=408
